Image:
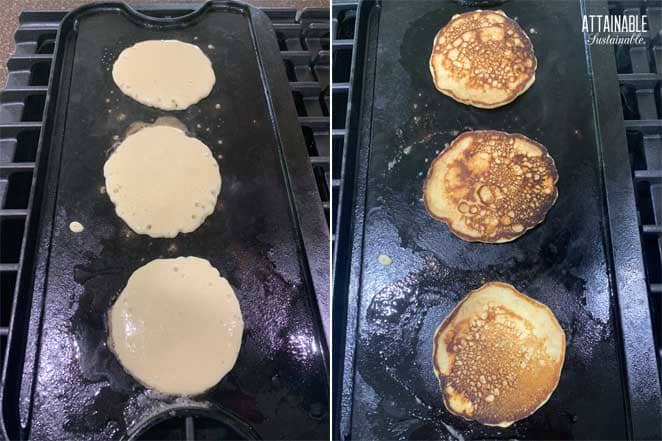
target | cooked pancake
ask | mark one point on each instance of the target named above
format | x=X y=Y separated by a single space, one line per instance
x=498 y=355
x=491 y=186
x=483 y=58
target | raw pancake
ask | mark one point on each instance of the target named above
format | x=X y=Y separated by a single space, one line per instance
x=177 y=326
x=167 y=74
x=491 y=186
x=498 y=355
x=483 y=58
x=162 y=182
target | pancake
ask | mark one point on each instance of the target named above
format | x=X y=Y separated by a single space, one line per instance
x=491 y=186
x=177 y=326
x=162 y=181
x=166 y=74
x=483 y=58
x=498 y=355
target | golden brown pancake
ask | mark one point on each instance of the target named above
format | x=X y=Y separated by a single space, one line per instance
x=498 y=355
x=483 y=58
x=491 y=186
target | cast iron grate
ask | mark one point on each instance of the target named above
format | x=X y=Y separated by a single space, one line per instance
x=640 y=78
x=344 y=75
x=304 y=44
x=344 y=24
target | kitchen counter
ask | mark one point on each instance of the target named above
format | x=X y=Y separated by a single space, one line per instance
x=12 y=8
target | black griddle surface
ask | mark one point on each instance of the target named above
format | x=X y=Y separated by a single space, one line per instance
x=562 y=262
x=278 y=388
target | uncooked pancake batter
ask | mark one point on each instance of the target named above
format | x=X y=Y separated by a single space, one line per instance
x=76 y=227
x=162 y=181
x=166 y=74
x=177 y=326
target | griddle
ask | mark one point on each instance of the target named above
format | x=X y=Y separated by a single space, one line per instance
x=389 y=390
x=71 y=387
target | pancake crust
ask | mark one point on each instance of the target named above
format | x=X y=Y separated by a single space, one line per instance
x=483 y=58
x=498 y=356
x=491 y=186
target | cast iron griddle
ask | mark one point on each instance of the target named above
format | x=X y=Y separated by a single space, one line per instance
x=390 y=390
x=72 y=386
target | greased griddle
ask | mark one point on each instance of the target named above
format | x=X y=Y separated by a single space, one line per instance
x=389 y=390
x=71 y=386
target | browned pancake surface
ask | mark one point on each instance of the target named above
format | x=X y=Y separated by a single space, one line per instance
x=498 y=355
x=491 y=186
x=483 y=58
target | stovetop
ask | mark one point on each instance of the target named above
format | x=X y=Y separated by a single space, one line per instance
x=304 y=43
x=639 y=74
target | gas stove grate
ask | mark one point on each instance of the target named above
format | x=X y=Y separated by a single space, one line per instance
x=346 y=84
x=304 y=44
x=344 y=24
x=640 y=77
x=21 y=109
